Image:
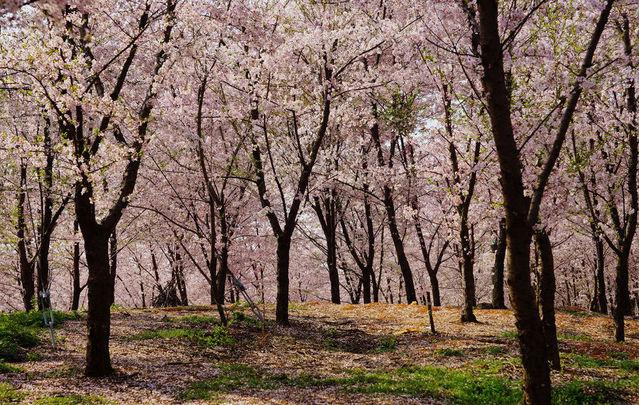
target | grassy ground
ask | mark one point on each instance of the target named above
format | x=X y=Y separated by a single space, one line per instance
x=346 y=354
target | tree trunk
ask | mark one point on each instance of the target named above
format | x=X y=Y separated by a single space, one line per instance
x=46 y=223
x=43 y=271
x=326 y=210
x=627 y=233
x=283 y=260
x=212 y=264
x=77 y=289
x=26 y=267
x=100 y=293
x=529 y=326
x=402 y=260
x=333 y=274
x=547 y=290
x=468 y=275
x=518 y=232
x=498 y=267
x=434 y=286
x=622 y=298
x=222 y=274
x=600 y=301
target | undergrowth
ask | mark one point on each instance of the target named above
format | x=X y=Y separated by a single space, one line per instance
x=19 y=332
x=462 y=387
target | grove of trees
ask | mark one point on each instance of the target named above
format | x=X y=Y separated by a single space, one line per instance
x=168 y=152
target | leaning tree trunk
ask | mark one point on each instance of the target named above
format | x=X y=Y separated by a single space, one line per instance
x=402 y=259
x=518 y=232
x=622 y=302
x=547 y=290
x=522 y=214
x=498 y=267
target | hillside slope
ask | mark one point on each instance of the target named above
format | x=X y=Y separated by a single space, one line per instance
x=376 y=353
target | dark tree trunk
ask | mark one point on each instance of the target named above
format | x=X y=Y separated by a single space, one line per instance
x=434 y=285
x=369 y=274
x=26 y=267
x=498 y=267
x=398 y=243
x=391 y=217
x=364 y=261
x=224 y=252
x=378 y=284
x=622 y=296
x=547 y=290
x=600 y=302
x=468 y=275
x=100 y=293
x=222 y=273
x=326 y=210
x=285 y=233
x=47 y=223
x=521 y=213
x=43 y=271
x=77 y=289
x=466 y=239
x=283 y=259
x=518 y=231
x=333 y=274
x=179 y=279
x=626 y=233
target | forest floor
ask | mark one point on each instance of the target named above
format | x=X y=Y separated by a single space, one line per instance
x=346 y=354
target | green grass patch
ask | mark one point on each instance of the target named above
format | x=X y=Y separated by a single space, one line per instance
x=386 y=344
x=577 y=312
x=583 y=361
x=449 y=352
x=8 y=394
x=482 y=384
x=9 y=368
x=74 y=399
x=19 y=331
x=231 y=377
x=572 y=335
x=31 y=356
x=510 y=334
x=459 y=387
x=493 y=366
x=217 y=336
x=495 y=350
x=329 y=339
x=241 y=317
x=595 y=392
